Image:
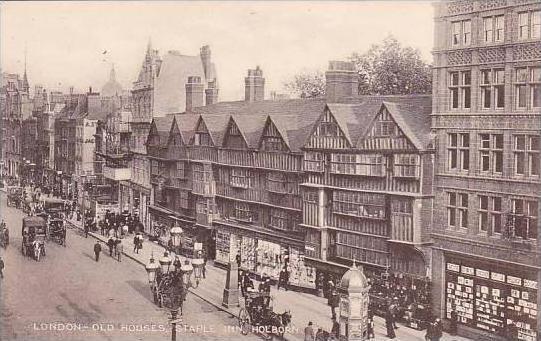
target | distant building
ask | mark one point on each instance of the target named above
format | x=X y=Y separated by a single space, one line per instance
x=169 y=84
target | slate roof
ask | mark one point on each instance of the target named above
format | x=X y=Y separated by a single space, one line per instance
x=295 y=118
x=411 y=113
x=170 y=85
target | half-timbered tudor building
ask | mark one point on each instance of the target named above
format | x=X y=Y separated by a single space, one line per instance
x=486 y=121
x=367 y=183
x=315 y=183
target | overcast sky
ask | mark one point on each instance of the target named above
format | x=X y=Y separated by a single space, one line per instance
x=66 y=40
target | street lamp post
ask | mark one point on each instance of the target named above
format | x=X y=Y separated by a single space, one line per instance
x=151 y=269
x=175 y=233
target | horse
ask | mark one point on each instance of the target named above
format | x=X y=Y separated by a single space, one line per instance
x=39 y=249
x=280 y=321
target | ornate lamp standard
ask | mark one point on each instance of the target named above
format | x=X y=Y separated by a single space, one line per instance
x=175 y=233
x=151 y=269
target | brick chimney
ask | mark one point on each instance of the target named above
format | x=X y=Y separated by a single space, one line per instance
x=194 y=93
x=342 y=82
x=211 y=93
x=254 y=85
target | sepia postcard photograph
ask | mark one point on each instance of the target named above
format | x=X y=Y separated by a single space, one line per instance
x=270 y=170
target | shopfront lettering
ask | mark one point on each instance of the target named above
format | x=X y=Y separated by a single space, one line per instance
x=497 y=277
x=514 y=280
x=482 y=273
x=530 y=284
x=467 y=270
x=453 y=267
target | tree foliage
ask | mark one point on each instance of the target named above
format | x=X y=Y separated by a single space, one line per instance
x=387 y=68
x=307 y=84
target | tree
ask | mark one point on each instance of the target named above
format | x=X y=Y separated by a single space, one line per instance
x=307 y=85
x=391 y=69
x=387 y=68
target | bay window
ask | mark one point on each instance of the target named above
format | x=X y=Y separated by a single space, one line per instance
x=358 y=164
x=241 y=177
x=314 y=162
x=406 y=165
x=359 y=204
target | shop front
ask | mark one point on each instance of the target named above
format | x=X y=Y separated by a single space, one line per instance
x=263 y=254
x=161 y=222
x=489 y=296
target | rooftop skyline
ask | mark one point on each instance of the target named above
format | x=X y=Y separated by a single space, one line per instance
x=76 y=43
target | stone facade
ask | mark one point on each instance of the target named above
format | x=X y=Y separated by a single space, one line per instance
x=486 y=123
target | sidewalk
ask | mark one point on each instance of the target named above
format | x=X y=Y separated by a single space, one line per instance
x=304 y=307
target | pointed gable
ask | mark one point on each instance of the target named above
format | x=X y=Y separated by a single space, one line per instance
x=234 y=137
x=328 y=133
x=216 y=126
x=175 y=137
x=272 y=138
x=153 y=137
x=201 y=135
x=385 y=133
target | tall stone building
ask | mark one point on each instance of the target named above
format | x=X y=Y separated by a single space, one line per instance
x=486 y=121
x=158 y=91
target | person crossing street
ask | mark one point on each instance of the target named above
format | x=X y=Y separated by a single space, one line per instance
x=97 y=250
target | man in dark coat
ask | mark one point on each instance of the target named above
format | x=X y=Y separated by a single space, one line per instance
x=1 y=267
x=97 y=250
x=111 y=245
x=454 y=322
x=389 y=324
x=335 y=328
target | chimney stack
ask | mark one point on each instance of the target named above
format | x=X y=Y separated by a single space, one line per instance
x=194 y=93
x=342 y=82
x=211 y=93
x=205 y=60
x=254 y=85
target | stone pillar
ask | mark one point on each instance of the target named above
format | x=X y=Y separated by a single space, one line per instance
x=231 y=291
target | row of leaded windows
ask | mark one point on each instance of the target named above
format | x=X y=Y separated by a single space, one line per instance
x=241 y=177
x=527 y=83
x=359 y=204
x=529 y=27
x=526 y=155
x=520 y=222
x=357 y=164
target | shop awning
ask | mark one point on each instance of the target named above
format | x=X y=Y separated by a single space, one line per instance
x=170 y=214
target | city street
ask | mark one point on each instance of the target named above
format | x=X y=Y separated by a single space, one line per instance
x=103 y=300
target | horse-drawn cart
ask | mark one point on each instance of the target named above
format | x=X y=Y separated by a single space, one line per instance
x=258 y=316
x=34 y=232
x=15 y=196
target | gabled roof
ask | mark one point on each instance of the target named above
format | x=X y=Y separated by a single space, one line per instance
x=170 y=85
x=216 y=125
x=294 y=129
x=250 y=127
x=412 y=113
x=161 y=126
x=413 y=117
x=186 y=124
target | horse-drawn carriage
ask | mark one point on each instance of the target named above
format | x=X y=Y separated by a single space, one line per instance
x=15 y=196
x=257 y=315
x=57 y=231
x=34 y=232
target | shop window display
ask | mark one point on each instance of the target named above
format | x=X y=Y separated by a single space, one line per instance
x=490 y=300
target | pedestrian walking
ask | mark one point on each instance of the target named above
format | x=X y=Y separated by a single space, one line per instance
x=86 y=230
x=389 y=324
x=334 y=300
x=438 y=330
x=111 y=245
x=1 y=267
x=393 y=308
x=119 y=250
x=453 y=326
x=370 y=328
x=97 y=250
x=309 y=332
x=335 y=328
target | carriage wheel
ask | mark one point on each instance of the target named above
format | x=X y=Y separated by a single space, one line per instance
x=244 y=321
